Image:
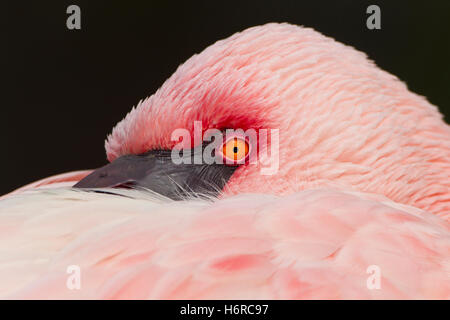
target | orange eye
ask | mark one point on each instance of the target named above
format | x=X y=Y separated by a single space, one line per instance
x=235 y=149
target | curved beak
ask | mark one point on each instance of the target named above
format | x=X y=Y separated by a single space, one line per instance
x=156 y=171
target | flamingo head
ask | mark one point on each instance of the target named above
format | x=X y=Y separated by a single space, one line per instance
x=331 y=118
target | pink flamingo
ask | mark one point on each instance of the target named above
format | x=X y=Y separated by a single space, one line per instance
x=359 y=207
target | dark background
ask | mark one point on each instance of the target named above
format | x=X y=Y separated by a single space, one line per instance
x=65 y=90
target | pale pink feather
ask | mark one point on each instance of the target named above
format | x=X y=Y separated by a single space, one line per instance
x=312 y=244
x=364 y=180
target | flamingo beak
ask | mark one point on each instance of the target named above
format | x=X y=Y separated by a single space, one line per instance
x=156 y=171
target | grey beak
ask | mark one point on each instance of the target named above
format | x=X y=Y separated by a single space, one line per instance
x=156 y=171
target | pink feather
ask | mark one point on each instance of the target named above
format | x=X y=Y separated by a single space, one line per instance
x=363 y=180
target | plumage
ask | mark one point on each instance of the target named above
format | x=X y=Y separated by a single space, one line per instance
x=363 y=180
x=308 y=245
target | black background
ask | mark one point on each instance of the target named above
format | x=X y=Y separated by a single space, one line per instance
x=65 y=90
x=284 y=309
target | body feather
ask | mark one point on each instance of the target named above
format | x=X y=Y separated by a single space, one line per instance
x=308 y=245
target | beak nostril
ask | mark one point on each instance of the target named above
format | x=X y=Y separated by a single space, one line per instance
x=103 y=174
x=125 y=185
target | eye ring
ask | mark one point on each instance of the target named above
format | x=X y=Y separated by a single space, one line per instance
x=235 y=150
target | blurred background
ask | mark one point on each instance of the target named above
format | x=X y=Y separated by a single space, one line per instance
x=66 y=89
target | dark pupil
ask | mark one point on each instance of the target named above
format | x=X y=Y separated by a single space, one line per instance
x=235 y=149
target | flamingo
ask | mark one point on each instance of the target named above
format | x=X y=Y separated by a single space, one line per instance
x=358 y=207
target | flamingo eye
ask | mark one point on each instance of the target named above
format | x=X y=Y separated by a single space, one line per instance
x=236 y=150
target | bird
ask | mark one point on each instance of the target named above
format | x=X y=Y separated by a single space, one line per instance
x=357 y=205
